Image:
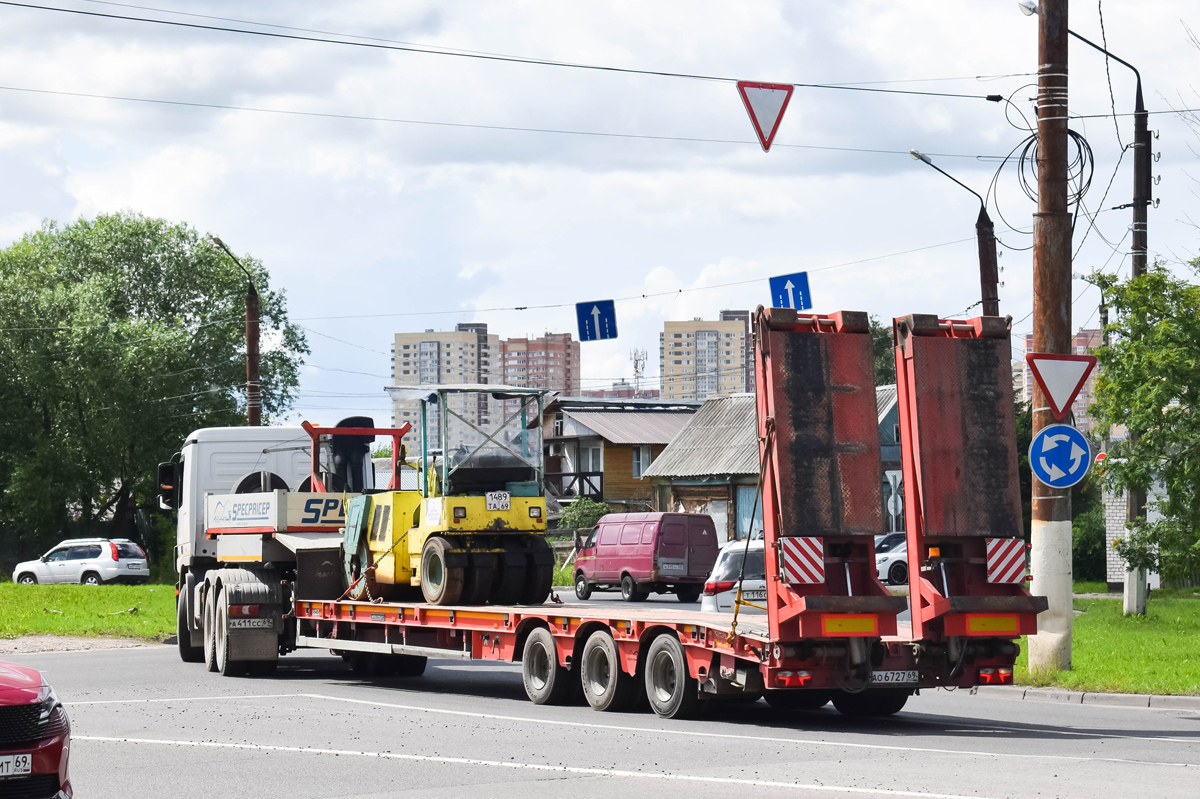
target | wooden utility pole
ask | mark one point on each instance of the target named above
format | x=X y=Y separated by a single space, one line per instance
x=253 y=382
x=1051 y=528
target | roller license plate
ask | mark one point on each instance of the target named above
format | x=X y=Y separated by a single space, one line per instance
x=894 y=677
x=498 y=500
x=15 y=765
x=251 y=624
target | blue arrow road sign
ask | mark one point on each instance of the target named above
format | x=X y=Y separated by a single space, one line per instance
x=597 y=320
x=1059 y=456
x=791 y=291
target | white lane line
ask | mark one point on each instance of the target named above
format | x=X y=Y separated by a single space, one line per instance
x=650 y=730
x=580 y=770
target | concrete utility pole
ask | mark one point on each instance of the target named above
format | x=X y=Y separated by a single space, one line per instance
x=253 y=384
x=1051 y=533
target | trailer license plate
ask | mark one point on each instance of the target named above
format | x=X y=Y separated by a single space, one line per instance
x=498 y=500
x=893 y=677
x=251 y=624
x=15 y=765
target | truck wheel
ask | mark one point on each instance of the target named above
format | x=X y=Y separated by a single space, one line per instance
x=898 y=574
x=227 y=667
x=440 y=584
x=210 y=635
x=687 y=593
x=630 y=592
x=540 y=573
x=480 y=577
x=187 y=652
x=797 y=700
x=672 y=691
x=869 y=704
x=583 y=591
x=546 y=682
x=606 y=686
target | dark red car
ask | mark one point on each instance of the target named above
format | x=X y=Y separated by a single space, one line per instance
x=35 y=737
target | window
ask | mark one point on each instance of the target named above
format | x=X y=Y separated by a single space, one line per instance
x=56 y=556
x=608 y=534
x=641 y=460
x=84 y=553
x=558 y=423
x=748 y=500
x=630 y=534
x=590 y=459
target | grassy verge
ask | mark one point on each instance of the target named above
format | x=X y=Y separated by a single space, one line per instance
x=1155 y=654
x=564 y=575
x=87 y=610
x=1084 y=587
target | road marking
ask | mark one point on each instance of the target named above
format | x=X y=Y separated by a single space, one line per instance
x=660 y=731
x=580 y=770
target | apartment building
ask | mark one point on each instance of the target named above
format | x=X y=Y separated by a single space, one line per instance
x=550 y=362
x=701 y=359
x=744 y=318
x=467 y=354
x=1082 y=343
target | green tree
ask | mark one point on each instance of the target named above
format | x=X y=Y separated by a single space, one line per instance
x=582 y=514
x=120 y=335
x=1149 y=384
x=884 y=352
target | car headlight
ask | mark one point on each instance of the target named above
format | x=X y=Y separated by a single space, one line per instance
x=48 y=700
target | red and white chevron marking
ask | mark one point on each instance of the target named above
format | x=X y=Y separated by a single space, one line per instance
x=1006 y=560
x=803 y=560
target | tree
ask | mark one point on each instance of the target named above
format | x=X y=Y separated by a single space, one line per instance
x=1149 y=384
x=120 y=335
x=582 y=514
x=884 y=352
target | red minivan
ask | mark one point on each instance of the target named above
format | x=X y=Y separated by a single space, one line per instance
x=644 y=552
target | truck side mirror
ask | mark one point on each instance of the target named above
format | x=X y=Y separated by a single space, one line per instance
x=168 y=486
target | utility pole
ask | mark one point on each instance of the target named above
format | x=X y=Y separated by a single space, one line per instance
x=1051 y=529
x=253 y=384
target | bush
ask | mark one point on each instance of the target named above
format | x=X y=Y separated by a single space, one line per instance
x=1087 y=545
x=581 y=514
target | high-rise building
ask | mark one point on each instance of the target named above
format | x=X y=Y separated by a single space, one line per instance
x=1082 y=343
x=468 y=354
x=744 y=318
x=701 y=359
x=550 y=362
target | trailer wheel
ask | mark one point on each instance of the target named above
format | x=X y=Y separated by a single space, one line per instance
x=672 y=691
x=797 y=700
x=440 y=584
x=210 y=638
x=869 y=704
x=183 y=636
x=606 y=686
x=546 y=682
x=583 y=591
x=227 y=667
x=409 y=665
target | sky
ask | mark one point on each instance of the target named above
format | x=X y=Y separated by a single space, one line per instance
x=650 y=190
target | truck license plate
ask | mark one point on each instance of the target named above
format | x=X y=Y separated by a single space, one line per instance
x=498 y=500
x=893 y=677
x=15 y=765
x=251 y=624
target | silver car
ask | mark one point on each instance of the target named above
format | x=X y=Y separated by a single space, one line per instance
x=892 y=564
x=91 y=561
x=720 y=590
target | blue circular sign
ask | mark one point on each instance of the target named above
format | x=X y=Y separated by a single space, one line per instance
x=1059 y=456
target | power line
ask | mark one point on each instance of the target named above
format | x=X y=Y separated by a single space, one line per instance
x=427 y=50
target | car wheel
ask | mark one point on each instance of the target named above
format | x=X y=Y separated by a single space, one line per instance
x=606 y=686
x=91 y=578
x=672 y=691
x=583 y=591
x=630 y=592
x=27 y=579
x=688 y=594
x=898 y=574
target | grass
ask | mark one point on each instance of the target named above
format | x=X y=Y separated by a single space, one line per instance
x=1158 y=653
x=87 y=610
x=1087 y=587
x=564 y=575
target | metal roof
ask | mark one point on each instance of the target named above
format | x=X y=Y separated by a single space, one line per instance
x=885 y=398
x=633 y=427
x=721 y=438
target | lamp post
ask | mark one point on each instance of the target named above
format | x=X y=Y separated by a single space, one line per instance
x=989 y=277
x=253 y=385
x=1135 y=508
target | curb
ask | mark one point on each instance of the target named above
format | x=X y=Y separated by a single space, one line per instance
x=1152 y=701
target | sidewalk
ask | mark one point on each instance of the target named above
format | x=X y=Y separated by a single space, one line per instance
x=1152 y=701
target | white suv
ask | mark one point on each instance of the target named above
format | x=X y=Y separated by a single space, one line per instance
x=91 y=561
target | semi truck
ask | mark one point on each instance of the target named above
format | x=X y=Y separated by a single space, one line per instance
x=269 y=570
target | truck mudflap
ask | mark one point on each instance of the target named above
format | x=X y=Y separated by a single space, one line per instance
x=252 y=605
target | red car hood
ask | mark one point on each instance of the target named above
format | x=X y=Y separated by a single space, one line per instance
x=19 y=685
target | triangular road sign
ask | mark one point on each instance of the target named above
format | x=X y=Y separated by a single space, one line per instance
x=765 y=103
x=1060 y=377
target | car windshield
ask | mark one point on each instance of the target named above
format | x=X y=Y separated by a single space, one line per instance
x=730 y=565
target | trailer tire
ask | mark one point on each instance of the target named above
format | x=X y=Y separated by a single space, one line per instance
x=872 y=705
x=210 y=638
x=606 y=686
x=440 y=584
x=797 y=700
x=183 y=636
x=583 y=591
x=409 y=665
x=226 y=665
x=546 y=682
x=672 y=691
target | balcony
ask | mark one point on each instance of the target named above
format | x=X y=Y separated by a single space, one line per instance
x=570 y=485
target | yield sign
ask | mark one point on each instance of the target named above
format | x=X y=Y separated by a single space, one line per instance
x=1060 y=377
x=765 y=103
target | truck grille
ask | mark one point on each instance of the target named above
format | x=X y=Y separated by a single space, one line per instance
x=21 y=724
x=35 y=786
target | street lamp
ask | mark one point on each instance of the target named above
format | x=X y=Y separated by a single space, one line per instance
x=253 y=385
x=985 y=232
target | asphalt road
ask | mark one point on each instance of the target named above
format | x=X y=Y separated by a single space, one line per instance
x=146 y=724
